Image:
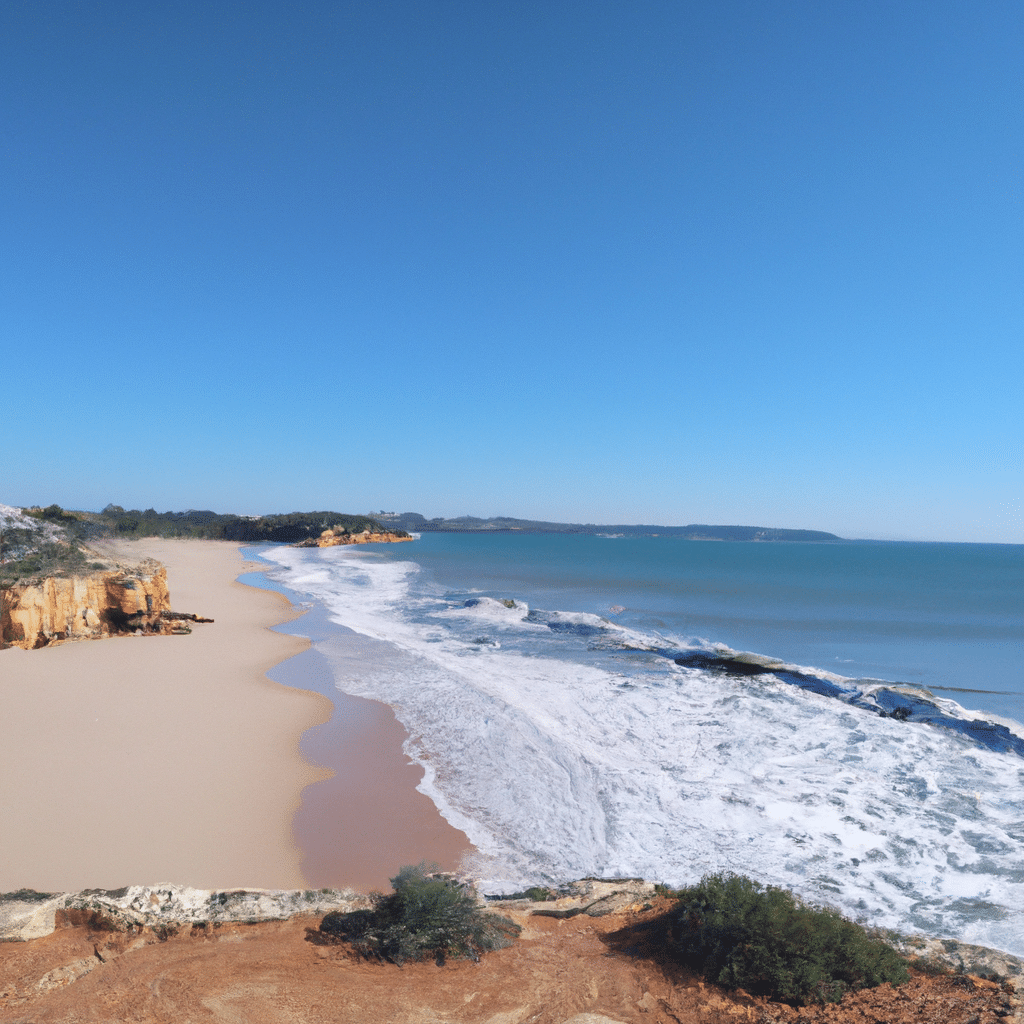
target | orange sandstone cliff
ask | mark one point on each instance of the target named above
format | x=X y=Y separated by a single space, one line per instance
x=99 y=604
x=330 y=538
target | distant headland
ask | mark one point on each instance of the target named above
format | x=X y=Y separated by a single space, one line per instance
x=413 y=522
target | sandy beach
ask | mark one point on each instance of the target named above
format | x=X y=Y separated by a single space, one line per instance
x=141 y=760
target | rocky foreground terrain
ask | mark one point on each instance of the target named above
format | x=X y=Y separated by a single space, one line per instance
x=596 y=957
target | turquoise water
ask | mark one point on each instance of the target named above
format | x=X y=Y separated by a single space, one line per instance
x=839 y=719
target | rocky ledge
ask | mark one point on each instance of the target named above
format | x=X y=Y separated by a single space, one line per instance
x=331 y=538
x=27 y=914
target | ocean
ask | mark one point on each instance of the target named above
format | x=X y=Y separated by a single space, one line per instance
x=840 y=719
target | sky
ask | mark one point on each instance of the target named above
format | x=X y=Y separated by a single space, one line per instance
x=727 y=262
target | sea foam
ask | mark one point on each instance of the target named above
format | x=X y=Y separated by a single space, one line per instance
x=565 y=746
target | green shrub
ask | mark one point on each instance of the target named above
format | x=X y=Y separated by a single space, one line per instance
x=541 y=894
x=50 y=558
x=741 y=934
x=427 y=915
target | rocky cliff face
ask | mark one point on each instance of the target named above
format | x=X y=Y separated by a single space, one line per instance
x=80 y=607
x=329 y=539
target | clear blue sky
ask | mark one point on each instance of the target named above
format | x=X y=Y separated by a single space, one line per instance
x=723 y=262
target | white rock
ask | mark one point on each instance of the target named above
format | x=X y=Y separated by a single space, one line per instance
x=21 y=919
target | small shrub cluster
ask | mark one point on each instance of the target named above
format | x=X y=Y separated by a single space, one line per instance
x=54 y=514
x=540 y=894
x=741 y=934
x=50 y=558
x=428 y=915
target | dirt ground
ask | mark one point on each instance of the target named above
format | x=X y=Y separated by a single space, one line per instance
x=581 y=970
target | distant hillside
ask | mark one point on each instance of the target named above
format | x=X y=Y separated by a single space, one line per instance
x=415 y=523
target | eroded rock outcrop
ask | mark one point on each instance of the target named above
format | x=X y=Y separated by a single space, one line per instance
x=99 y=604
x=331 y=538
x=26 y=915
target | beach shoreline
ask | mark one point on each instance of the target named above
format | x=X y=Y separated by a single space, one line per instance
x=143 y=760
x=369 y=818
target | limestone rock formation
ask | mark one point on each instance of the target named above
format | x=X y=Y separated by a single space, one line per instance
x=27 y=915
x=330 y=538
x=593 y=897
x=81 y=607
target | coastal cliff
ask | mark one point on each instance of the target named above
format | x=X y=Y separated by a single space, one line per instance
x=596 y=956
x=106 y=603
x=331 y=538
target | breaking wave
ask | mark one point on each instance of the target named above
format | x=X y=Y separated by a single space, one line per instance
x=567 y=745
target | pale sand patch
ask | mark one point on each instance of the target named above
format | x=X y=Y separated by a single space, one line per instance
x=139 y=760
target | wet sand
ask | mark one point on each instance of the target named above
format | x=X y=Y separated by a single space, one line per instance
x=368 y=820
x=140 y=760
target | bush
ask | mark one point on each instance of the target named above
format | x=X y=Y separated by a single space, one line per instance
x=741 y=934
x=427 y=915
x=50 y=558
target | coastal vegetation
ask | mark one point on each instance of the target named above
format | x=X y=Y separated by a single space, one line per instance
x=38 y=542
x=743 y=935
x=428 y=915
x=48 y=559
x=728 y=928
x=286 y=527
x=47 y=541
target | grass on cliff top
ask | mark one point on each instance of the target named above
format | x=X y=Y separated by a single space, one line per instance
x=52 y=558
x=741 y=934
x=427 y=916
